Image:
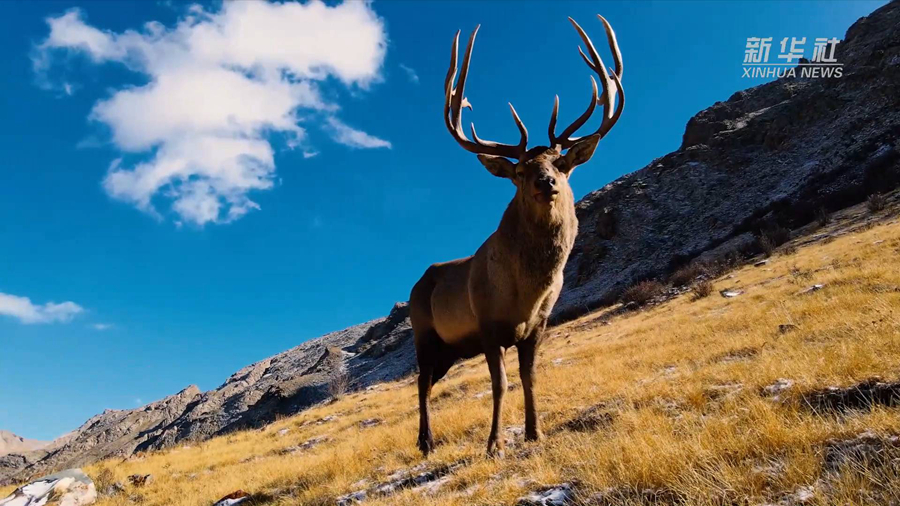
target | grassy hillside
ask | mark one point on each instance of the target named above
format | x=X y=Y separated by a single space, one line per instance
x=708 y=400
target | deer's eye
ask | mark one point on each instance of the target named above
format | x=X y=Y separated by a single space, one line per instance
x=520 y=174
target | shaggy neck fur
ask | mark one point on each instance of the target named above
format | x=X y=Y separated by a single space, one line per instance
x=541 y=236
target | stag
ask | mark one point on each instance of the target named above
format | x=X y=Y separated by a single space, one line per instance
x=502 y=296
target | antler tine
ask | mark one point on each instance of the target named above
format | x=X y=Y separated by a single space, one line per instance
x=607 y=124
x=578 y=123
x=551 y=130
x=613 y=45
x=523 y=132
x=455 y=101
x=597 y=65
x=459 y=99
x=611 y=81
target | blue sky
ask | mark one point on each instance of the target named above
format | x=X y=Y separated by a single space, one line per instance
x=179 y=199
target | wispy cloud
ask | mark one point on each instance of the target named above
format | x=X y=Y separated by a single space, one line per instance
x=219 y=84
x=349 y=136
x=102 y=326
x=410 y=73
x=28 y=312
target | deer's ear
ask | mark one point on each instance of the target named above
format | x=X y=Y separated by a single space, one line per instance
x=498 y=166
x=578 y=154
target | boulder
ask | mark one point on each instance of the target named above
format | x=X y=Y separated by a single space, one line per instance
x=66 y=488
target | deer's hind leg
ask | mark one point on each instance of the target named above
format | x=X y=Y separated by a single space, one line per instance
x=427 y=356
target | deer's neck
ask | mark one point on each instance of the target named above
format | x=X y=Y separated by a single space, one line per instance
x=541 y=243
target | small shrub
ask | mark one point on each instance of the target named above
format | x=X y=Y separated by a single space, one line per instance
x=800 y=276
x=702 y=289
x=643 y=292
x=822 y=217
x=766 y=245
x=788 y=250
x=104 y=479
x=339 y=383
x=772 y=238
x=688 y=274
x=876 y=202
x=339 y=378
x=728 y=262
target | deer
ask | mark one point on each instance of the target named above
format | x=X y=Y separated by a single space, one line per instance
x=503 y=295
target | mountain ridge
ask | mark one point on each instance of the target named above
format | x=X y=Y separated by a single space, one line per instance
x=12 y=443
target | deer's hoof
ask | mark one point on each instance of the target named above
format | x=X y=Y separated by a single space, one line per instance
x=534 y=435
x=495 y=449
x=426 y=445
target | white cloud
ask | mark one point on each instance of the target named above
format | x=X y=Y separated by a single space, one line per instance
x=27 y=312
x=102 y=326
x=219 y=84
x=349 y=136
x=410 y=73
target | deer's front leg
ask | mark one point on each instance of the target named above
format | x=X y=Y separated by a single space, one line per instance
x=494 y=355
x=527 y=350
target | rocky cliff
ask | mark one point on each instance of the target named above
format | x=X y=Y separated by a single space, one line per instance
x=771 y=156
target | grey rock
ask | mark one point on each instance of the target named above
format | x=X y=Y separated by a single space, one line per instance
x=234 y=498
x=370 y=422
x=420 y=478
x=813 y=288
x=866 y=449
x=778 y=387
x=556 y=495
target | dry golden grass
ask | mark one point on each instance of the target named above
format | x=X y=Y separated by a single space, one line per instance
x=682 y=383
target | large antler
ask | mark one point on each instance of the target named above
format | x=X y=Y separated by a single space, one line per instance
x=611 y=86
x=455 y=101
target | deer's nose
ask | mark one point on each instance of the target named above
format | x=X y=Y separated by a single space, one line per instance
x=545 y=183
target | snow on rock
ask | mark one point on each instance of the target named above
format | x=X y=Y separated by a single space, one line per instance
x=556 y=495
x=66 y=488
x=236 y=497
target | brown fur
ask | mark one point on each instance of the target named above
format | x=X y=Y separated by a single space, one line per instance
x=501 y=296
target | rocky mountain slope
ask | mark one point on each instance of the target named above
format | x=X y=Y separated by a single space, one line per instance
x=771 y=156
x=11 y=443
x=372 y=352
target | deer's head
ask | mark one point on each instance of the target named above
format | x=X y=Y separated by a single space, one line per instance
x=540 y=174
